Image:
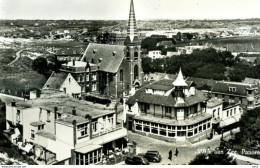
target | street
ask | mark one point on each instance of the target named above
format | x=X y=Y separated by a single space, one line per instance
x=187 y=151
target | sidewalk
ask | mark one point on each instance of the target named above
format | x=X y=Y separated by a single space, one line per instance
x=215 y=137
x=245 y=158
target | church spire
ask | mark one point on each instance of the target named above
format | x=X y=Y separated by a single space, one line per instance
x=132 y=29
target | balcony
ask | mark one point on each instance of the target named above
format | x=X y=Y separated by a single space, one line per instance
x=107 y=131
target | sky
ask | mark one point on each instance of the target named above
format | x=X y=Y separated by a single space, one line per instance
x=119 y=9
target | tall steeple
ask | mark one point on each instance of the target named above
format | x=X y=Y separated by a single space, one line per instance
x=132 y=29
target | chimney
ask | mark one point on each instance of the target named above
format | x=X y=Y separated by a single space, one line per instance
x=74 y=122
x=55 y=112
x=13 y=103
x=73 y=61
x=74 y=112
x=89 y=117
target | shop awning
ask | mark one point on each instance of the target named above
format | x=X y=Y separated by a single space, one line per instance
x=89 y=148
x=227 y=122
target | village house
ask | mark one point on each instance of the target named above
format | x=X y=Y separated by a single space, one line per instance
x=81 y=73
x=155 y=54
x=172 y=110
x=58 y=129
x=247 y=94
x=63 y=82
x=225 y=116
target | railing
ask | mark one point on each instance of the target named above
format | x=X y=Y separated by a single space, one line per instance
x=109 y=130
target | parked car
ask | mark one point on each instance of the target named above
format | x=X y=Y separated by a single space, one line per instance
x=136 y=160
x=151 y=156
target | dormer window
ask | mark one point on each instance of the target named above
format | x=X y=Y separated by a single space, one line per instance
x=94 y=51
x=232 y=89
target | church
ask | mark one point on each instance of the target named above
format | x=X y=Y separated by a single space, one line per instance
x=110 y=69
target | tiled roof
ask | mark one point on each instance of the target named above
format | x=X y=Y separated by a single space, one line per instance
x=55 y=80
x=240 y=88
x=200 y=82
x=110 y=62
x=214 y=102
x=159 y=76
x=169 y=100
x=186 y=122
x=69 y=51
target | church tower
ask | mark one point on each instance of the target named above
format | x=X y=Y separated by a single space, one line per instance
x=133 y=52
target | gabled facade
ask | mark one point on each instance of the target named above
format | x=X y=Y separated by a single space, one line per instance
x=63 y=82
x=117 y=68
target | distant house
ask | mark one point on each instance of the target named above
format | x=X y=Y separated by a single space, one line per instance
x=238 y=92
x=158 y=76
x=155 y=54
x=252 y=81
x=68 y=54
x=63 y=82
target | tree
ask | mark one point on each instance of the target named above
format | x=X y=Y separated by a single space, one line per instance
x=40 y=65
x=213 y=159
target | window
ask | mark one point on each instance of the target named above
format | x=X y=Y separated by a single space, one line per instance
x=32 y=134
x=234 y=111
x=83 y=130
x=168 y=110
x=121 y=75
x=69 y=80
x=40 y=127
x=127 y=54
x=218 y=111
x=129 y=107
x=94 y=127
x=232 y=89
x=227 y=113
x=18 y=113
x=136 y=54
x=214 y=111
x=231 y=112
x=136 y=73
x=48 y=116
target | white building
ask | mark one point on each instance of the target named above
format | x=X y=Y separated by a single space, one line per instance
x=63 y=130
x=155 y=54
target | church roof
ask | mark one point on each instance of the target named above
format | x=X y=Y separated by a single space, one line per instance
x=179 y=80
x=111 y=56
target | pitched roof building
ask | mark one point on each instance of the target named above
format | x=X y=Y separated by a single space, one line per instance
x=168 y=109
x=247 y=94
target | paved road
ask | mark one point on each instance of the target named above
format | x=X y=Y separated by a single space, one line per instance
x=186 y=151
x=18 y=55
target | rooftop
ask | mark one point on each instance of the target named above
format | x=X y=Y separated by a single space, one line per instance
x=37 y=123
x=46 y=134
x=180 y=80
x=111 y=56
x=214 y=102
x=65 y=105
